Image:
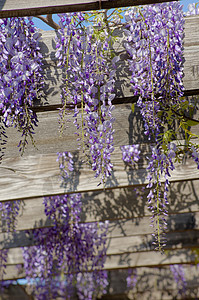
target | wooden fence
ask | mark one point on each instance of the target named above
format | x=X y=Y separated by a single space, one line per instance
x=36 y=174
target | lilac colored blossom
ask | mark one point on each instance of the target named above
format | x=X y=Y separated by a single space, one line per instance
x=84 y=60
x=69 y=247
x=195 y=155
x=131 y=279
x=20 y=74
x=8 y=214
x=91 y=285
x=155 y=45
x=130 y=154
x=193 y=9
x=179 y=277
x=3 y=260
x=159 y=167
x=3 y=139
x=65 y=160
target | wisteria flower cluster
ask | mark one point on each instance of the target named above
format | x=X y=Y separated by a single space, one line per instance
x=88 y=85
x=130 y=154
x=179 y=277
x=20 y=74
x=154 y=42
x=3 y=260
x=8 y=215
x=65 y=158
x=193 y=9
x=92 y=285
x=69 y=247
x=3 y=139
x=8 y=219
x=159 y=167
x=131 y=279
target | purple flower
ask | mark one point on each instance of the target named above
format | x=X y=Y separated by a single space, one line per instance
x=130 y=154
x=84 y=58
x=69 y=247
x=20 y=75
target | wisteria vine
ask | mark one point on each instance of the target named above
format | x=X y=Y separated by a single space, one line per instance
x=155 y=45
x=67 y=251
x=72 y=253
x=88 y=85
x=20 y=76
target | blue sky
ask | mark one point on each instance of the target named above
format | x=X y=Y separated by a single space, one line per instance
x=44 y=26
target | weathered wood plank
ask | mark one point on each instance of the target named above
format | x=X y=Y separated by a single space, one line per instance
x=11 y=8
x=126 y=206
x=14 y=272
x=187 y=239
x=40 y=173
x=153 y=283
x=127 y=260
x=129 y=129
x=141 y=259
x=128 y=126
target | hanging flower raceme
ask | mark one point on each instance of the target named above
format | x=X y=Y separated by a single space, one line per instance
x=69 y=247
x=159 y=168
x=8 y=215
x=193 y=9
x=20 y=74
x=65 y=158
x=179 y=277
x=88 y=85
x=154 y=42
x=130 y=154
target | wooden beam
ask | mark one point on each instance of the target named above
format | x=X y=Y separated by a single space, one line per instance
x=38 y=175
x=125 y=208
x=128 y=127
x=123 y=239
x=153 y=283
x=150 y=283
x=120 y=261
x=11 y=8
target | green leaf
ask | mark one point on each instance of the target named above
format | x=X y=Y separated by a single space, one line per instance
x=192 y=122
x=133 y=108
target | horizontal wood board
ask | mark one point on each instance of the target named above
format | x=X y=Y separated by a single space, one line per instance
x=125 y=206
x=128 y=129
x=119 y=261
x=142 y=241
x=152 y=283
x=40 y=173
x=11 y=8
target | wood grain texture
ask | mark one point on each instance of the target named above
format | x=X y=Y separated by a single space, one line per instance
x=11 y=8
x=142 y=241
x=128 y=260
x=126 y=208
x=38 y=175
x=129 y=129
x=128 y=126
x=152 y=283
